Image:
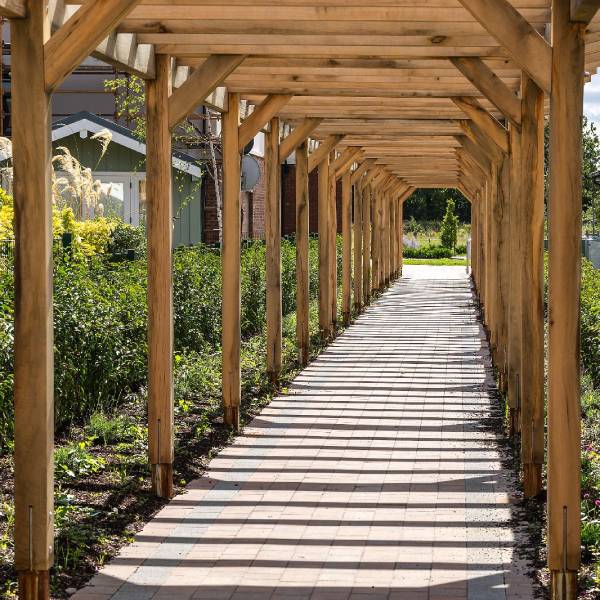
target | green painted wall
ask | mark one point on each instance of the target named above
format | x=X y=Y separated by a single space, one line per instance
x=187 y=203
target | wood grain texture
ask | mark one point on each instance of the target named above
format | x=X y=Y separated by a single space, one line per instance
x=33 y=335
x=273 y=248
x=346 y=248
x=564 y=275
x=324 y=249
x=160 y=284
x=230 y=259
x=302 y=254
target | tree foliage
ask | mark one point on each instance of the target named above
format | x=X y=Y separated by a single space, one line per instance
x=430 y=205
x=449 y=231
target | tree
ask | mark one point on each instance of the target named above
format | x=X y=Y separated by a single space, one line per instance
x=430 y=204
x=449 y=231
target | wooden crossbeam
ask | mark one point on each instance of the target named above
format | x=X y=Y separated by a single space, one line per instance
x=200 y=84
x=323 y=151
x=344 y=160
x=262 y=114
x=361 y=170
x=583 y=11
x=520 y=39
x=12 y=9
x=486 y=122
x=80 y=35
x=475 y=153
x=297 y=136
x=491 y=86
x=482 y=140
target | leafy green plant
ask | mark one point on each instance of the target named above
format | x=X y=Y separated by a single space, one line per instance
x=110 y=430
x=449 y=229
x=428 y=252
x=74 y=459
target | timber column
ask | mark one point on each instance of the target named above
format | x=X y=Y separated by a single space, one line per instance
x=160 y=281
x=230 y=258
x=564 y=277
x=33 y=342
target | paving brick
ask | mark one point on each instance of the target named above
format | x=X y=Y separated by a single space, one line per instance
x=376 y=477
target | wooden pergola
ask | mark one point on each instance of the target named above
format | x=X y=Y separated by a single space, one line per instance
x=391 y=96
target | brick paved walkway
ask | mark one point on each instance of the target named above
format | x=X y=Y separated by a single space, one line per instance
x=378 y=476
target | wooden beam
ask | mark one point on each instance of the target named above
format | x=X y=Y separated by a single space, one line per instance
x=346 y=247
x=262 y=114
x=343 y=162
x=200 y=84
x=583 y=11
x=358 y=247
x=524 y=44
x=230 y=259
x=160 y=285
x=273 y=249
x=362 y=168
x=12 y=9
x=298 y=136
x=33 y=335
x=333 y=280
x=491 y=86
x=564 y=276
x=485 y=121
x=323 y=228
x=366 y=243
x=302 y=254
x=475 y=153
x=80 y=35
x=326 y=146
x=531 y=215
x=482 y=141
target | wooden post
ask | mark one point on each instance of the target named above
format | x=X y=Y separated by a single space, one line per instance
x=358 y=249
x=564 y=228
x=400 y=237
x=346 y=247
x=302 y=254
x=393 y=249
x=324 y=249
x=230 y=258
x=273 y=249
x=333 y=246
x=474 y=242
x=532 y=287
x=160 y=284
x=385 y=239
x=504 y=274
x=375 y=241
x=515 y=262
x=366 y=236
x=33 y=341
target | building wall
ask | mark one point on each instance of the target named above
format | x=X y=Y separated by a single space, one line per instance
x=252 y=206
x=187 y=208
x=288 y=201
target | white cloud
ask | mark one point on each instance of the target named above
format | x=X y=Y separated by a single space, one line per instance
x=591 y=99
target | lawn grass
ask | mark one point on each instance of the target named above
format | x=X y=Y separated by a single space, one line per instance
x=440 y=262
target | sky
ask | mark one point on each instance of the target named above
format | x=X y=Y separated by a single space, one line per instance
x=591 y=99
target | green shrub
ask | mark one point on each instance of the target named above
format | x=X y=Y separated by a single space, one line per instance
x=590 y=321
x=460 y=250
x=428 y=252
x=110 y=430
x=74 y=459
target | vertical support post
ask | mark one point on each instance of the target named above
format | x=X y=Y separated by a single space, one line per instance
x=358 y=249
x=393 y=239
x=531 y=216
x=474 y=243
x=302 y=254
x=564 y=212
x=385 y=241
x=400 y=237
x=230 y=258
x=160 y=283
x=366 y=233
x=346 y=247
x=515 y=299
x=33 y=345
x=324 y=279
x=333 y=246
x=506 y=191
x=273 y=249
x=375 y=239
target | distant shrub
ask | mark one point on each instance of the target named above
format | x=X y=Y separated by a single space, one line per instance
x=460 y=250
x=428 y=252
x=590 y=321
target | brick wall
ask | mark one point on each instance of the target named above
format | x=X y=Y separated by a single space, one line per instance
x=252 y=206
x=288 y=201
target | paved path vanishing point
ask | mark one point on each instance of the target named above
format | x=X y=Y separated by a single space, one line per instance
x=379 y=475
